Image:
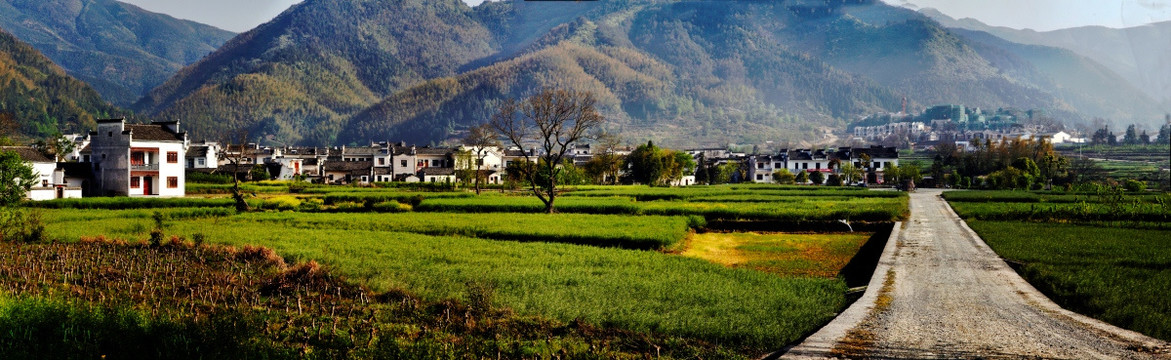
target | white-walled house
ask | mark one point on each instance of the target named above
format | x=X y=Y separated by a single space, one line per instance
x=49 y=183
x=138 y=160
x=881 y=158
x=203 y=155
x=492 y=165
x=761 y=167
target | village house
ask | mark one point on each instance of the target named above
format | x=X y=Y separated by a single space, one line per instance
x=50 y=182
x=492 y=165
x=138 y=160
x=881 y=158
x=203 y=155
x=761 y=167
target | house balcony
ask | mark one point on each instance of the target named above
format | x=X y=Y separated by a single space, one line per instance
x=144 y=167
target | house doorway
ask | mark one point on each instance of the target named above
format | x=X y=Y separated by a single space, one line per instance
x=146 y=185
x=60 y=192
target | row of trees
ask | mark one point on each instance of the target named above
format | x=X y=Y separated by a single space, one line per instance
x=1014 y=164
x=1104 y=136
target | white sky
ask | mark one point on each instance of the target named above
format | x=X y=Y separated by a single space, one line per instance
x=1044 y=15
x=242 y=15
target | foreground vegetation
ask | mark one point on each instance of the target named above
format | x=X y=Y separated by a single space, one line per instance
x=102 y=298
x=1105 y=255
x=530 y=270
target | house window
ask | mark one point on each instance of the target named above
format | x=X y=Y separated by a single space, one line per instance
x=200 y=161
x=44 y=183
x=364 y=179
x=877 y=165
x=172 y=157
x=759 y=177
x=172 y=182
x=817 y=166
x=135 y=182
x=381 y=161
x=778 y=166
x=804 y=166
x=402 y=163
x=137 y=158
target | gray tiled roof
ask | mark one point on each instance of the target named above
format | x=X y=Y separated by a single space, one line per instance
x=153 y=133
x=28 y=153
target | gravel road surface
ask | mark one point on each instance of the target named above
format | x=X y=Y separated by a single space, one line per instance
x=940 y=292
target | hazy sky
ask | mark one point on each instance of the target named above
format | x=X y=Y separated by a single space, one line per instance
x=1045 y=15
x=241 y=15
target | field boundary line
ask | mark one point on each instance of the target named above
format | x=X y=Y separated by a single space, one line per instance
x=820 y=345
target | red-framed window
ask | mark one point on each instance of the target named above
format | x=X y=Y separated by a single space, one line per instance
x=172 y=182
x=135 y=182
x=172 y=157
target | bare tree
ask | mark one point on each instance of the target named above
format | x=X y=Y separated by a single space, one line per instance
x=553 y=120
x=236 y=160
x=480 y=138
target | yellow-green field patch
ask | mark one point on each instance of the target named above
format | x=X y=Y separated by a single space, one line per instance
x=784 y=254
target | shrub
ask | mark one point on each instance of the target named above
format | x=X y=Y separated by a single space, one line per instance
x=834 y=180
x=18 y=225
x=1133 y=185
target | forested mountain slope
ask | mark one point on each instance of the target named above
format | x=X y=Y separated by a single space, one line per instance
x=687 y=73
x=38 y=99
x=119 y=49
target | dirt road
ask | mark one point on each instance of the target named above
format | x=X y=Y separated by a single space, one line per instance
x=940 y=292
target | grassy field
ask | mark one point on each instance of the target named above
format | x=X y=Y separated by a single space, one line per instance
x=629 y=277
x=1107 y=257
x=101 y=298
x=632 y=290
x=801 y=255
x=793 y=208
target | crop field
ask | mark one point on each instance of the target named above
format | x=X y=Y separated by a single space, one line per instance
x=1133 y=210
x=104 y=298
x=802 y=255
x=1107 y=257
x=566 y=282
x=792 y=208
x=609 y=261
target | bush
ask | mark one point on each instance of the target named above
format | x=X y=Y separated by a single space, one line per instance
x=18 y=225
x=1133 y=185
x=195 y=177
x=834 y=180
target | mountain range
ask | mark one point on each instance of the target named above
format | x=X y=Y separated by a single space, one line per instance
x=121 y=50
x=330 y=72
x=1139 y=54
x=37 y=98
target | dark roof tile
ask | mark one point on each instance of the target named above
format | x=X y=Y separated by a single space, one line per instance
x=153 y=133
x=28 y=153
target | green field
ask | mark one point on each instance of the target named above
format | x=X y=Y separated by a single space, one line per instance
x=607 y=259
x=1105 y=257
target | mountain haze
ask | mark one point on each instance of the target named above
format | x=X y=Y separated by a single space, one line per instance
x=1138 y=54
x=38 y=97
x=684 y=73
x=120 y=49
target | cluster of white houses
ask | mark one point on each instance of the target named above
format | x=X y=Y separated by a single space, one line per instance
x=120 y=159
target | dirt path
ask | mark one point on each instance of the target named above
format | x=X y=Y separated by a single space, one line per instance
x=940 y=292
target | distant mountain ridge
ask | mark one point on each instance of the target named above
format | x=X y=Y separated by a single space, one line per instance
x=342 y=71
x=118 y=48
x=38 y=97
x=1139 y=54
